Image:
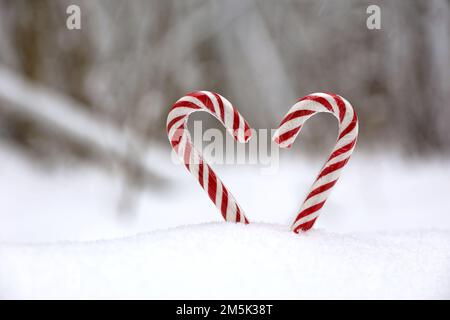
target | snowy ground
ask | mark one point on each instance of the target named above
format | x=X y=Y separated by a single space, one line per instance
x=384 y=233
x=219 y=261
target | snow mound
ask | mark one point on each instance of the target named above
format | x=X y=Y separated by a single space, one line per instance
x=222 y=260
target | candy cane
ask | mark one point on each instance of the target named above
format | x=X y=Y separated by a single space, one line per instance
x=181 y=142
x=348 y=131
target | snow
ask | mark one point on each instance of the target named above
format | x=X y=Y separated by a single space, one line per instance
x=227 y=261
x=384 y=233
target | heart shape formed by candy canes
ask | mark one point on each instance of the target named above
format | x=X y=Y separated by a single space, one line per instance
x=181 y=142
x=284 y=136
x=290 y=127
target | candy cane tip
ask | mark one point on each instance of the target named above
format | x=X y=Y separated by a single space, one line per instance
x=247 y=137
x=237 y=138
x=276 y=139
x=248 y=133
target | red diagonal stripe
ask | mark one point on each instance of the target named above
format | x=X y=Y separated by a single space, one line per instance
x=333 y=167
x=235 y=122
x=310 y=210
x=200 y=173
x=320 y=100
x=247 y=132
x=321 y=189
x=204 y=99
x=296 y=114
x=175 y=144
x=212 y=184
x=220 y=102
x=224 y=205
x=173 y=121
x=287 y=135
x=238 y=214
x=342 y=150
x=178 y=134
x=350 y=126
x=185 y=104
x=341 y=106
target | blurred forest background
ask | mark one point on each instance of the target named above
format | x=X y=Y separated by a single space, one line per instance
x=103 y=92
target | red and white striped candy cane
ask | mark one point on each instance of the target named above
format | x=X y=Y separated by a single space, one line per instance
x=181 y=142
x=348 y=132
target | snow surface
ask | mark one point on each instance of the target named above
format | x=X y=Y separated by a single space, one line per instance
x=223 y=260
x=383 y=233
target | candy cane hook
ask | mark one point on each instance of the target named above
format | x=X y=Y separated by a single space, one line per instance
x=181 y=142
x=348 y=132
